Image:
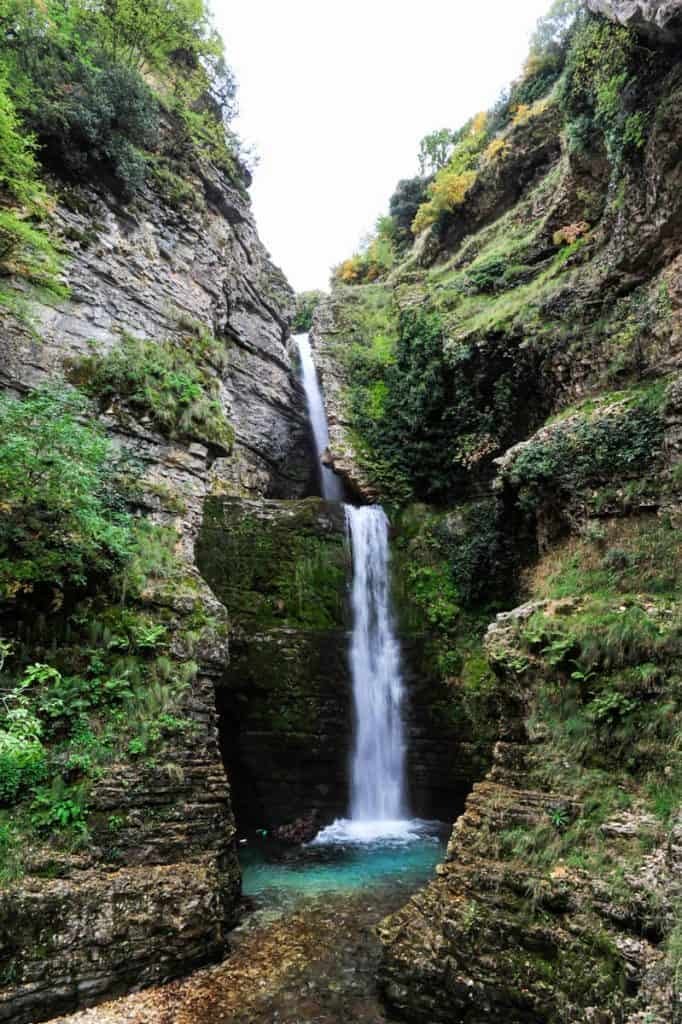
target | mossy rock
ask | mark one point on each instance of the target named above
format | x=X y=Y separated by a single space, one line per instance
x=276 y=564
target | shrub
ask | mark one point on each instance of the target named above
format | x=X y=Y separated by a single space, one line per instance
x=22 y=765
x=604 y=62
x=93 y=121
x=375 y=259
x=487 y=274
x=24 y=248
x=171 y=382
x=18 y=167
x=306 y=304
x=61 y=519
x=76 y=80
x=447 y=192
x=409 y=195
x=439 y=415
x=616 y=442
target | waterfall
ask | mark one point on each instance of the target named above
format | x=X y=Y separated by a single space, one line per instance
x=378 y=767
x=330 y=483
x=378 y=803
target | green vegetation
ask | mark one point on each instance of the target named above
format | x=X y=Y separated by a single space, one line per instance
x=617 y=438
x=605 y=64
x=79 y=79
x=306 y=304
x=451 y=572
x=25 y=249
x=375 y=258
x=61 y=521
x=409 y=195
x=425 y=416
x=85 y=90
x=86 y=673
x=275 y=572
x=174 y=383
x=603 y=666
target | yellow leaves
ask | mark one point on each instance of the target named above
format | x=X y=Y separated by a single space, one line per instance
x=479 y=123
x=426 y=216
x=348 y=271
x=448 y=191
x=524 y=113
x=496 y=151
x=521 y=114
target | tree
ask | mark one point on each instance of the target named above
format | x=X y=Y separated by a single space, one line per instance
x=409 y=195
x=435 y=150
x=553 y=29
x=18 y=167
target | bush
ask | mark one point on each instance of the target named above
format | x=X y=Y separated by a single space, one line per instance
x=449 y=188
x=306 y=304
x=75 y=78
x=448 y=191
x=605 y=90
x=409 y=195
x=18 y=167
x=22 y=765
x=24 y=248
x=440 y=416
x=170 y=381
x=62 y=520
x=589 y=450
x=375 y=259
x=93 y=121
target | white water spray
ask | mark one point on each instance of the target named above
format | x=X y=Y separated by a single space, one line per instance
x=331 y=486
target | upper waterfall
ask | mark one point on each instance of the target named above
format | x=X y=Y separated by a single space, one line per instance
x=330 y=484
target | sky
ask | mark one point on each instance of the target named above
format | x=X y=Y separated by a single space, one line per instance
x=335 y=96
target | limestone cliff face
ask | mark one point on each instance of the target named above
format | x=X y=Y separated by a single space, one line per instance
x=659 y=19
x=556 y=284
x=156 y=895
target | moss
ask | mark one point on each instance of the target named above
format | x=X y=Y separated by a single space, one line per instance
x=618 y=437
x=288 y=569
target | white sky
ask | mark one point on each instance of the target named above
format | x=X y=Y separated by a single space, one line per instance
x=335 y=97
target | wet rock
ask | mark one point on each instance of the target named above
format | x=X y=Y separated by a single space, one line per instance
x=303 y=830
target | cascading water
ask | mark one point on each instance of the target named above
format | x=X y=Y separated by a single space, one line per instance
x=330 y=484
x=378 y=804
x=378 y=770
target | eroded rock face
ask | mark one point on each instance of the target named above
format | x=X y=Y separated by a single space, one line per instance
x=658 y=19
x=496 y=937
x=156 y=891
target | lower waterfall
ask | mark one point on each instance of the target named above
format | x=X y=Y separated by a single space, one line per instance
x=378 y=765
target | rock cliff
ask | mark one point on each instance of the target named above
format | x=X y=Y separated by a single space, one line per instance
x=156 y=890
x=516 y=372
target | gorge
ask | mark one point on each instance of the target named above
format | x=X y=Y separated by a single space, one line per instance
x=275 y=605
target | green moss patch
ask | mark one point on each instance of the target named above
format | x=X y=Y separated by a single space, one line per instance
x=281 y=564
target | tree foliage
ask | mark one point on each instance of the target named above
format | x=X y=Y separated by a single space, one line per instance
x=88 y=79
x=306 y=304
x=435 y=149
x=409 y=194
